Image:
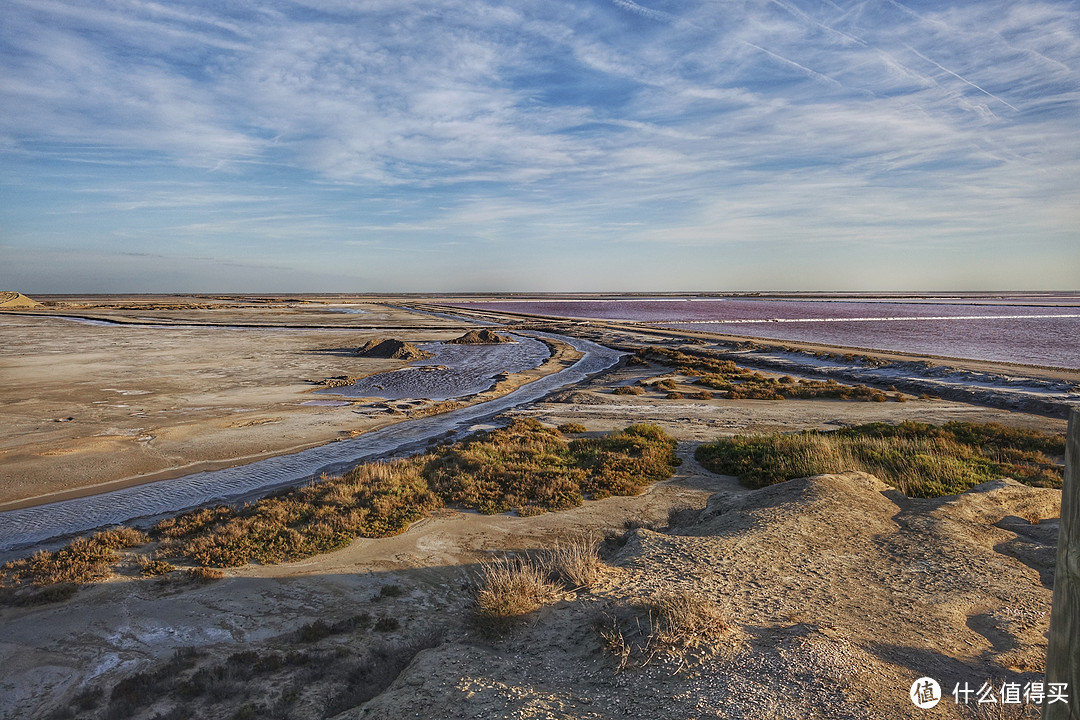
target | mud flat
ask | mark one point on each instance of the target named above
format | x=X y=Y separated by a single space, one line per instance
x=120 y=399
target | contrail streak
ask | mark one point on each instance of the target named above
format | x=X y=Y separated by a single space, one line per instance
x=961 y=78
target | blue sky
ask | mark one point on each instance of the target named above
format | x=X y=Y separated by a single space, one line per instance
x=423 y=145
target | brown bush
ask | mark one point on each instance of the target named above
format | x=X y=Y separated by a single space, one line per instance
x=150 y=567
x=83 y=560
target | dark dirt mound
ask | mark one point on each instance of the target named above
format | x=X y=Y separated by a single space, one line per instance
x=392 y=349
x=479 y=337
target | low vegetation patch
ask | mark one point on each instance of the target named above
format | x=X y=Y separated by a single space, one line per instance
x=150 y=567
x=204 y=574
x=524 y=467
x=572 y=428
x=320 y=629
x=628 y=390
x=742 y=384
x=531 y=469
x=389 y=591
x=437 y=408
x=919 y=459
x=86 y=559
x=263 y=683
x=679 y=626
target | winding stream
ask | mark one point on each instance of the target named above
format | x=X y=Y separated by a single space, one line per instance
x=142 y=504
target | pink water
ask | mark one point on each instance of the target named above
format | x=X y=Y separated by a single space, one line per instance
x=1029 y=329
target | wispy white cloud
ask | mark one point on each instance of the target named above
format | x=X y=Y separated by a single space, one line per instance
x=682 y=124
x=643 y=11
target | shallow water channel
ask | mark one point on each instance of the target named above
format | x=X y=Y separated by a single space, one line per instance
x=454 y=371
x=143 y=504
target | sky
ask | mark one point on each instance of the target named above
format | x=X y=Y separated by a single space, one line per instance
x=538 y=145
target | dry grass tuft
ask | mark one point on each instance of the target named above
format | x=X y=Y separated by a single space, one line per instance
x=679 y=626
x=508 y=589
x=575 y=562
x=684 y=621
x=205 y=574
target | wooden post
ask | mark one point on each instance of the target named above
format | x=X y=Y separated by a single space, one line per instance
x=1063 y=653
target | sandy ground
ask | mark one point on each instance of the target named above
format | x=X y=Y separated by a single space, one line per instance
x=840 y=594
x=839 y=591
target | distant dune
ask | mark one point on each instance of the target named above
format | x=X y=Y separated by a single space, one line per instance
x=9 y=299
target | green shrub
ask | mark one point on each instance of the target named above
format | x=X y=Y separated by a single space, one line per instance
x=572 y=428
x=628 y=390
x=389 y=591
x=386 y=624
x=919 y=459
